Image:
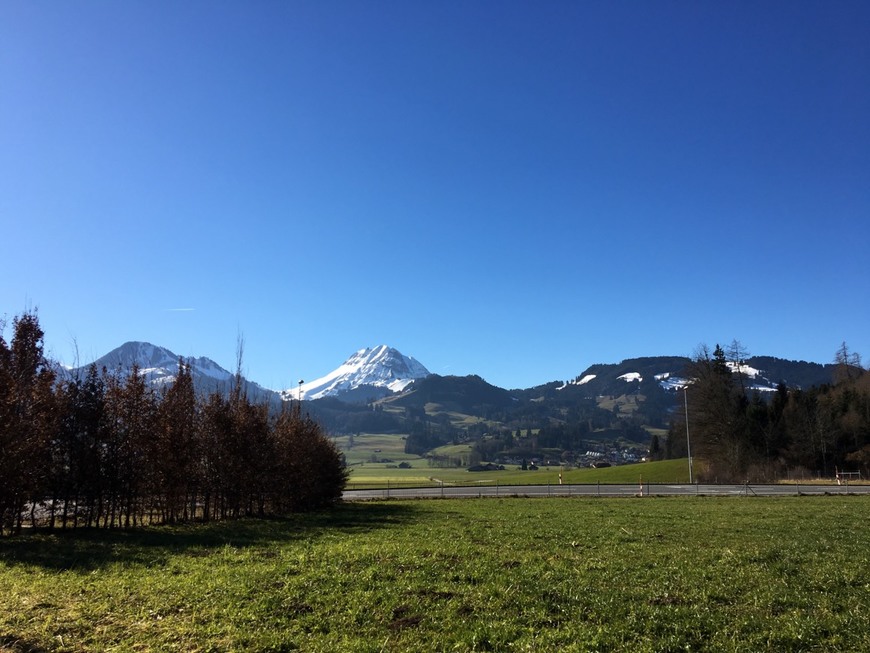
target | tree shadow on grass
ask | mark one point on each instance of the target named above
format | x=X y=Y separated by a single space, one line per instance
x=11 y=644
x=89 y=549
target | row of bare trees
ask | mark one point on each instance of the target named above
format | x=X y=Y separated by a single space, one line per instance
x=741 y=435
x=106 y=450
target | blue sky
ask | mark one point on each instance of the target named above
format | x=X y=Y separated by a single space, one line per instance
x=499 y=188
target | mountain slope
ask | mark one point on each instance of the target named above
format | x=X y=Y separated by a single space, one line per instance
x=464 y=394
x=373 y=372
x=762 y=374
x=159 y=366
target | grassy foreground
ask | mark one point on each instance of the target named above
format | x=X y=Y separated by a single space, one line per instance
x=694 y=574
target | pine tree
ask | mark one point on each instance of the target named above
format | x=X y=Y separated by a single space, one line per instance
x=178 y=448
x=713 y=420
x=308 y=472
x=26 y=421
x=215 y=470
x=83 y=433
x=129 y=452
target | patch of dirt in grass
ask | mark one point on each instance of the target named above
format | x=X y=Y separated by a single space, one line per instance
x=435 y=594
x=465 y=610
x=299 y=608
x=667 y=599
x=401 y=618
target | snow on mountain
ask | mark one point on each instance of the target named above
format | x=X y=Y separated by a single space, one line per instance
x=159 y=366
x=379 y=367
x=670 y=381
x=742 y=368
x=379 y=370
x=586 y=379
x=669 y=373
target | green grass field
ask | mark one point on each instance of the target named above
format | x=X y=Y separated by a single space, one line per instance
x=369 y=449
x=695 y=574
x=370 y=475
x=367 y=446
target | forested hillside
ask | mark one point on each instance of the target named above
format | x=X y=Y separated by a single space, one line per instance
x=631 y=404
x=739 y=435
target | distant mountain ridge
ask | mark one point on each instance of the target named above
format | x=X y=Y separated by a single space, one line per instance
x=159 y=366
x=377 y=372
x=762 y=373
x=379 y=390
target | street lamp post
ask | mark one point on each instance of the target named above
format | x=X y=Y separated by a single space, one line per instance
x=688 y=441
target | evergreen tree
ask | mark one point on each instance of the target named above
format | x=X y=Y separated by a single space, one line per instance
x=130 y=452
x=216 y=470
x=26 y=421
x=82 y=433
x=308 y=472
x=105 y=450
x=655 y=449
x=715 y=417
x=178 y=448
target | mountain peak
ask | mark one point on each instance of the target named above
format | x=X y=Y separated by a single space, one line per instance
x=153 y=361
x=159 y=367
x=379 y=370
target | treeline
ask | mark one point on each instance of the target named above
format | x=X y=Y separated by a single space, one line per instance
x=740 y=435
x=107 y=450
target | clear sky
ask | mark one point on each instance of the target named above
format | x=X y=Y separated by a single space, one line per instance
x=511 y=189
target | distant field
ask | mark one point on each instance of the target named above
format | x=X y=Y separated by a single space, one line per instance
x=370 y=447
x=452 y=450
x=372 y=475
x=626 y=403
x=538 y=575
x=373 y=445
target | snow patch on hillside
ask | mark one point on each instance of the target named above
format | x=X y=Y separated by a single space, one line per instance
x=670 y=382
x=586 y=379
x=745 y=370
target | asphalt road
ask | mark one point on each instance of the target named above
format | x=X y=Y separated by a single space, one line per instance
x=602 y=490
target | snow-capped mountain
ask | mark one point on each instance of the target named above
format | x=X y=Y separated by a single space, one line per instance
x=371 y=372
x=159 y=366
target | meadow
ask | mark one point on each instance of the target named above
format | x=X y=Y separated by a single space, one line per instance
x=372 y=475
x=367 y=471
x=652 y=574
